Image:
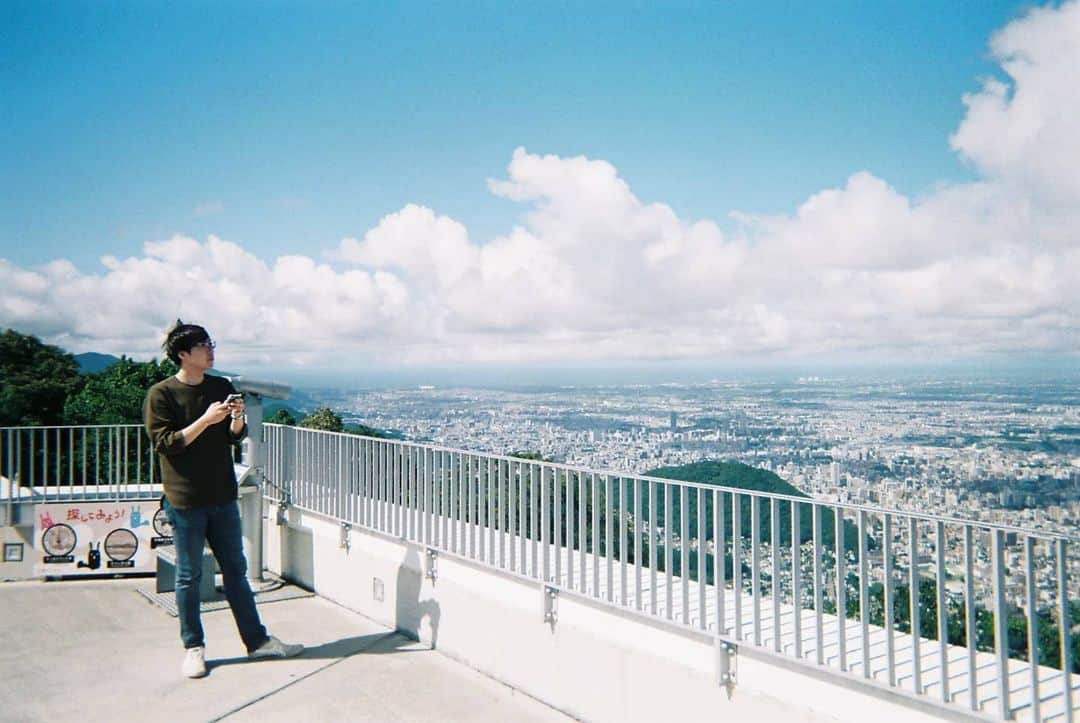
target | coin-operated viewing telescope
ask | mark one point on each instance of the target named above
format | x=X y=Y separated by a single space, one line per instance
x=252 y=475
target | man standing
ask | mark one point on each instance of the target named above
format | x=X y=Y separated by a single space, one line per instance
x=193 y=422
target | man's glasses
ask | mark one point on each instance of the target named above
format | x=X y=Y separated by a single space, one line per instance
x=208 y=344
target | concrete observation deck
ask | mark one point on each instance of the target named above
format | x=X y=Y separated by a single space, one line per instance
x=97 y=650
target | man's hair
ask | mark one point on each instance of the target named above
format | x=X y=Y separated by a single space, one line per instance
x=183 y=337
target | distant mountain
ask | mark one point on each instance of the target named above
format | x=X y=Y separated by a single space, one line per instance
x=91 y=362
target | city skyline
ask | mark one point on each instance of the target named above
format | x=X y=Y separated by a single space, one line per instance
x=996 y=451
x=337 y=192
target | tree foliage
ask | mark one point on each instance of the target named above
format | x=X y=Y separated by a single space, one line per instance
x=1016 y=626
x=525 y=454
x=328 y=420
x=365 y=431
x=324 y=419
x=282 y=416
x=35 y=379
x=116 y=395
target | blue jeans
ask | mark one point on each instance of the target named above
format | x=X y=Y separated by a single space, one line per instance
x=219 y=526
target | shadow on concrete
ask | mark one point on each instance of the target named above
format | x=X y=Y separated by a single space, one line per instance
x=371 y=644
x=410 y=609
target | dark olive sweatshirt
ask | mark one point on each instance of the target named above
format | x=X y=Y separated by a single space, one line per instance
x=199 y=474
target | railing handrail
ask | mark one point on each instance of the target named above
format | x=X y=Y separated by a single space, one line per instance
x=758 y=494
x=923 y=516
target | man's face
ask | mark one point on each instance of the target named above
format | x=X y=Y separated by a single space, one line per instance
x=201 y=355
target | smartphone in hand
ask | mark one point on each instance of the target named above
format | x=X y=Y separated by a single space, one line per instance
x=233 y=398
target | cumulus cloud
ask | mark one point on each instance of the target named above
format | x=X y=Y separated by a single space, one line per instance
x=433 y=250
x=1023 y=131
x=296 y=306
x=593 y=272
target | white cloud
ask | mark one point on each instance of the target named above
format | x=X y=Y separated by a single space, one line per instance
x=433 y=250
x=595 y=273
x=1024 y=132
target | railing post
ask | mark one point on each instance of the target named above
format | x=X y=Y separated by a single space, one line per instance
x=913 y=603
x=841 y=587
x=545 y=521
x=736 y=562
x=1032 y=625
x=1001 y=629
x=796 y=578
x=755 y=563
x=13 y=490
x=719 y=551
x=819 y=598
x=942 y=610
x=890 y=638
x=774 y=545
x=864 y=595
x=1064 y=627
x=609 y=548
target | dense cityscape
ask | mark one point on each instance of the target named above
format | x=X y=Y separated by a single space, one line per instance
x=995 y=451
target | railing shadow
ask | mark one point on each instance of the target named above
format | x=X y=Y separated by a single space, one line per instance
x=410 y=610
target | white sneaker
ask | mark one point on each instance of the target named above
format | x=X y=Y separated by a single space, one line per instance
x=274 y=648
x=194 y=663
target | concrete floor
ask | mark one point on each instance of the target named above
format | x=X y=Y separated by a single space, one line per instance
x=99 y=651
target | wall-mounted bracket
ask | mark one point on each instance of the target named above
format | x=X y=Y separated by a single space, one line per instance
x=432 y=572
x=280 y=517
x=727 y=664
x=345 y=529
x=551 y=604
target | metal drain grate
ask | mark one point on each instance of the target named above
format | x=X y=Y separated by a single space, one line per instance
x=272 y=591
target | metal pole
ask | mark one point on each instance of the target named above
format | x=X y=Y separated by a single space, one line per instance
x=1064 y=629
x=1001 y=643
x=1032 y=626
x=253 y=503
x=942 y=610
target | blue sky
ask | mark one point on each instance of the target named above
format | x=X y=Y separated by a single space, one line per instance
x=437 y=184
x=291 y=125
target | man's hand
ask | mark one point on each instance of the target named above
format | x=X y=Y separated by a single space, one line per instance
x=216 y=412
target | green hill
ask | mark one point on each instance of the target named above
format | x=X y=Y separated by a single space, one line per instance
x=728 y=474
x=743 y=477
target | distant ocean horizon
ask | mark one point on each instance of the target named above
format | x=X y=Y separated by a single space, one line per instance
x=1034 y=371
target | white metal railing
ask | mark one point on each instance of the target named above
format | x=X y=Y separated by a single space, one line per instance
x=649 y=547
x=62 y=463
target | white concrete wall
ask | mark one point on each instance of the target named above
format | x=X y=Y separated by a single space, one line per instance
x=593 y=664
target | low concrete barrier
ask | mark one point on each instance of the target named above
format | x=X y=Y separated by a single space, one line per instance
x=592 y=662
